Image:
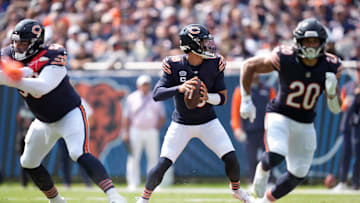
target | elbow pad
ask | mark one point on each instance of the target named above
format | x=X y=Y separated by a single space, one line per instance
x=334 y=105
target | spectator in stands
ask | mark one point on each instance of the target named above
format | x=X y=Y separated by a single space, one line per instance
x=251 y=133
x=143 y=118
x=229 y=21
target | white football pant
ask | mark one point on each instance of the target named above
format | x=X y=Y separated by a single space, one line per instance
x=41 y=137
x=212 y=134
x=294 y=140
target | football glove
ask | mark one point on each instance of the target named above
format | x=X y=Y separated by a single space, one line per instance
x=330 y=83
x=247 y=108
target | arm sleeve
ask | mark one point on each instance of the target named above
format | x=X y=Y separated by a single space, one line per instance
x=219 y=83
x=49 y=78
x=235 y=109
x=26 y=72
x=164 y=88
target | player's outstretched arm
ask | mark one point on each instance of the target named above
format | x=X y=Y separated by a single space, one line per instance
x=48 y=79
x=164 y=90
x=251 y=66
x=257 y=64
x=23 y=72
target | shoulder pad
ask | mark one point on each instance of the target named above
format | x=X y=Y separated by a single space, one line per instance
x=286 y=50
x=57 y=54
x=166 y=66
x=169 y=61
x=335 y=62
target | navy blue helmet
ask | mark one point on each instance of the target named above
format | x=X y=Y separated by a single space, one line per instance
x=31 y=31
x=310 y=28
x=197 y=39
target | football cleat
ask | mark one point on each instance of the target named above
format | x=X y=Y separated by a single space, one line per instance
x=340 y=187
x=262 y=200
x=141 y=200
x=116 y=198
x=57 y=199
x=260 y=180
x=243 y=196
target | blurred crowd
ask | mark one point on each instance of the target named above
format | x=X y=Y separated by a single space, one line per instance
x=147 y=30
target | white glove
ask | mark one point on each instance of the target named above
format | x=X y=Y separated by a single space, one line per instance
x=27 y=72
x=247 y=108
x=330 y=83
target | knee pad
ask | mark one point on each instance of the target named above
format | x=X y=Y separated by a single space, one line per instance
x=27 y=162
x=270 y=160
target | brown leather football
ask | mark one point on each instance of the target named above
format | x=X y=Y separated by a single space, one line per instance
x=330 y=181
x=192 y=99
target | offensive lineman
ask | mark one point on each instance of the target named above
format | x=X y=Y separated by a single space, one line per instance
x=199 y=61
x=57 y=107
x=304 y=72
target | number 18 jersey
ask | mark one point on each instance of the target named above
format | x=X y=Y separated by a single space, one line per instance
x=299 y=85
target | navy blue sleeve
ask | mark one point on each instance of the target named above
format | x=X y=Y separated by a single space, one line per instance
x=165 y=88
x=219 y=84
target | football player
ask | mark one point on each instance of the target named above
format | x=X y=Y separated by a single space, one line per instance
x=305 y=70
x=199 y=61
x=57 y=108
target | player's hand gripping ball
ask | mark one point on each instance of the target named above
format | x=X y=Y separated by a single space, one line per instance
x=12 y=69
x=330 y=181
x=192 y=96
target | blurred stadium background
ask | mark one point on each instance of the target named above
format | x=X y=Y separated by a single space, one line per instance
x=111 y=42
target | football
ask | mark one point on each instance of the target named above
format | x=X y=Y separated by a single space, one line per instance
x=192 y=99
x=330 y=181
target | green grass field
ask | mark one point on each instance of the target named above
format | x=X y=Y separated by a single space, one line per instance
x=200 y=193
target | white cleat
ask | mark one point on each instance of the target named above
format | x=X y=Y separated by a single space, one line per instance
x=260 y=181
x=340 y=187
x=262 y=200
x=141 y=200
x=57 y=199
x=116 y=198
x=243 y=196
